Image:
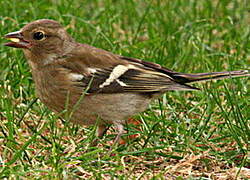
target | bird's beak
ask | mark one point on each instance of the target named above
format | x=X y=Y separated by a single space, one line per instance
x=17 y=40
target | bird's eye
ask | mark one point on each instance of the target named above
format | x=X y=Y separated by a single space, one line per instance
x=38 y=35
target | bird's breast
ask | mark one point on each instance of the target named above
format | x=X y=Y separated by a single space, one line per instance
x=53 y=92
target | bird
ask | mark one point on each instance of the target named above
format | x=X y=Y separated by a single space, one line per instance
x=91 y=86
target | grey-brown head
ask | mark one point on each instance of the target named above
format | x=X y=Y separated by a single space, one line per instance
x=41 y=38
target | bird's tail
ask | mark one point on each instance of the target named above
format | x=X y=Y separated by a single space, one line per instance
x=198 y=77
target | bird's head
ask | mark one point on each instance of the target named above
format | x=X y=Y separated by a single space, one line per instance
x=42 y=38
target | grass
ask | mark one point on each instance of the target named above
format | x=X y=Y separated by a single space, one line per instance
x=183 y=135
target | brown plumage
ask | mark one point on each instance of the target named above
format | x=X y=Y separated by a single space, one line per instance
x=91 y=84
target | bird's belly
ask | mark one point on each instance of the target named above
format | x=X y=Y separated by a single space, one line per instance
x=109 y=108
x=94 y=108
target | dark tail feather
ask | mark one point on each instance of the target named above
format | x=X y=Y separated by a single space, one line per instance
x=190 y=78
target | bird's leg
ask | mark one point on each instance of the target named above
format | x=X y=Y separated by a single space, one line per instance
x=100 y=131
x=121 y=131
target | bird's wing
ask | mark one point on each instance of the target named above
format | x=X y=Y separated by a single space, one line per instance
x=131 y=78
x=104 y=72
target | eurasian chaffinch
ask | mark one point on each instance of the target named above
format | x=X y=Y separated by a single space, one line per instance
x=91 y=85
